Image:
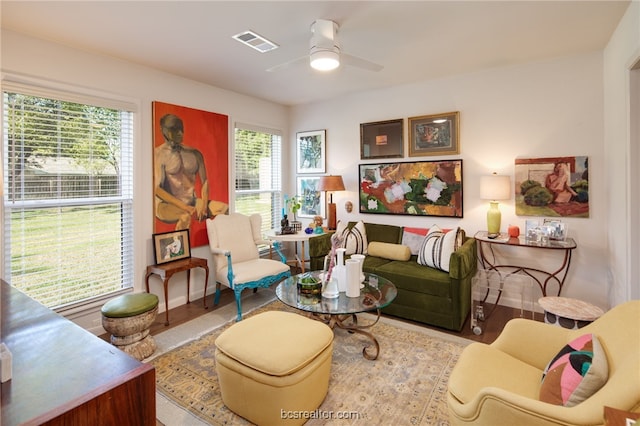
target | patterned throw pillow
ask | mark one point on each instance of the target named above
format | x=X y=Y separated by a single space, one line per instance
x=575 y=373
x=353 y=239
x=438 y=246
x=413 y=238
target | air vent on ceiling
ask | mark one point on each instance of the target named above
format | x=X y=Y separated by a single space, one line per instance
x=255 y=41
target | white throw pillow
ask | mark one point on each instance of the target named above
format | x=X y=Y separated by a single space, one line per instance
x=354 y=240
x=438 y=246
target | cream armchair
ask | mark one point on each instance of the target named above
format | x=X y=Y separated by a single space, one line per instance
x=234 y=240
x=499 y=384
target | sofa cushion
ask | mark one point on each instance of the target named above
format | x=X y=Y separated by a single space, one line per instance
x=389 y=251
x=354 y=239
x=413 y=238
x=416 y=278
x=438 y=246
x=575 y=373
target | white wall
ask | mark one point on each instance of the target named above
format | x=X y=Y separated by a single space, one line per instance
x=142 y=85
x=552 y=108
x=622 y=156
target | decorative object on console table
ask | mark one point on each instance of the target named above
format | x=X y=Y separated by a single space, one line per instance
x=330 y=184
x=494 y=188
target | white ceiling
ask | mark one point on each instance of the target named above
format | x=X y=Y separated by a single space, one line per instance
x=413 y=40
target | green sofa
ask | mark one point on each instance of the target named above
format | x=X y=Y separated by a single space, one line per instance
x=425 y=294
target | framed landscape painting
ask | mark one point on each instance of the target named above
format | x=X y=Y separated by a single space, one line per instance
x=552 y=186
x=421 y=188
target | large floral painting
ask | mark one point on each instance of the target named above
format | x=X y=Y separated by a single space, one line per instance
x=190 y=169
x=552 y=186
x=422 y=188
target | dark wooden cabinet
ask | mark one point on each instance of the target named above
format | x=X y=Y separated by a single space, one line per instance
x=64 y=375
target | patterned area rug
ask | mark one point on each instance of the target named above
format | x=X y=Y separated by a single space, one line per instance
x=405 y=385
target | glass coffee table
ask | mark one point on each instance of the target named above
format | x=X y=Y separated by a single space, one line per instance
x=375 y=293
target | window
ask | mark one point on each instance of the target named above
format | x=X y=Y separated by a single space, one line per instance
x=67 y=194
x=258 y=187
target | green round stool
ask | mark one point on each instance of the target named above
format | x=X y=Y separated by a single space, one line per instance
x=128 y=318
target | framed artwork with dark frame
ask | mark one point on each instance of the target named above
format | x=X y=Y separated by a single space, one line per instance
x=437 y=134
x=171 y=246
x=310 y=151
x=421 y=188
x=382 y=139
x=311 y=198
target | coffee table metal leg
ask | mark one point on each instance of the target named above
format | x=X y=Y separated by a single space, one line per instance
x=340 y=321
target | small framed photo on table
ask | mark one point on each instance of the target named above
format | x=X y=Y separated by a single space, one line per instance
x=171 y=246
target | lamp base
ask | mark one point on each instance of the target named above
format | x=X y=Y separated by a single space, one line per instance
x=331 y=215
x=493 y=219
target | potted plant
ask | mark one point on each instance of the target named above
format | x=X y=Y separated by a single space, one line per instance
x=294 y=204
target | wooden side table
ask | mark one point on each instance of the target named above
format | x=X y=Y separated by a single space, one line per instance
x=166 y=270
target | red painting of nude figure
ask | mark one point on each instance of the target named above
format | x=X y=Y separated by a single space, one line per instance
x=190 y=169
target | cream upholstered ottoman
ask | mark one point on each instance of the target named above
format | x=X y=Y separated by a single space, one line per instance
x=273 y=367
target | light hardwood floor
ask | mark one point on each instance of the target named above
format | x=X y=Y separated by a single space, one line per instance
x=491 y=327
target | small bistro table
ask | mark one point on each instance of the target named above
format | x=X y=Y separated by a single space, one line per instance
x=166 y=270
x=488 y=260
x=299 y=237
x=376 y=293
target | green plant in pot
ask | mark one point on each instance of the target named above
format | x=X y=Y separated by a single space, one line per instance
x=294 y=204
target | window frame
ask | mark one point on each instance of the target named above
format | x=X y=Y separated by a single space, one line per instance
x=276 y=193
x=33 y=87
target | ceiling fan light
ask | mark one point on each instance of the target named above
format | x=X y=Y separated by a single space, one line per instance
x=324 y=60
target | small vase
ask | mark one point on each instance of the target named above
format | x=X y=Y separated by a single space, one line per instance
x=353 y=278
x=360 y=259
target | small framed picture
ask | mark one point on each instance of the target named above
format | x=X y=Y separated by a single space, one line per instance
x=310 y=151
x=311 y=198
x=436 y=134
x=382 y=139
x=171 y=246
x=557 y=229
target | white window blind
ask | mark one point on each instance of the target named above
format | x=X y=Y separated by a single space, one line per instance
x=258 y=173
x=68 y=196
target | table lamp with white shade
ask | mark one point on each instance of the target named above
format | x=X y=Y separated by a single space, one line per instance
x=494 y=188
x=330 y=184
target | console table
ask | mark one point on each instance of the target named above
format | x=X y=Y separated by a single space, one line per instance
x=64 y=375
x=166 y=270
x=488 y=260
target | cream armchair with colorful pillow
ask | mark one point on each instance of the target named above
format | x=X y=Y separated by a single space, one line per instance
x=501 y=383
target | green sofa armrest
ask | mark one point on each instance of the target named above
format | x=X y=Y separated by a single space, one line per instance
x=464 y=261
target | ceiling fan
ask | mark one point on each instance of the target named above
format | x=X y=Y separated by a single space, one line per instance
x=325 y=51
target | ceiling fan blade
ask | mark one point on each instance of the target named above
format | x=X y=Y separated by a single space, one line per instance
x=360 y=63
x=288 y=64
